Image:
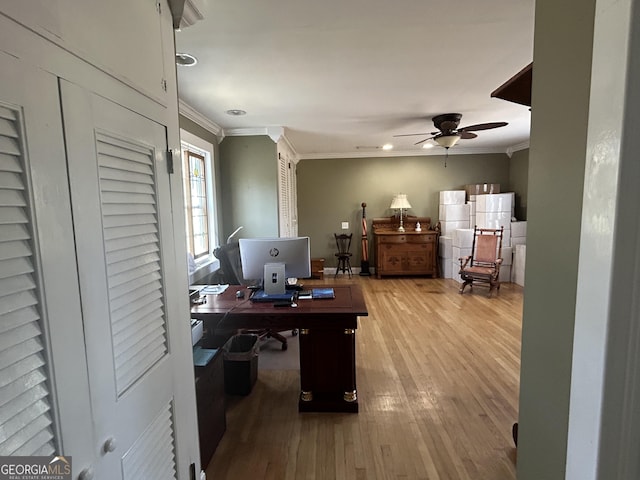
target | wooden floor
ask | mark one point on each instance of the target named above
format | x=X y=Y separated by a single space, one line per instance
x=437 y=376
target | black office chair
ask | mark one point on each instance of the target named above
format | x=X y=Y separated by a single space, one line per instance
x=231 y=273
x=343 y=242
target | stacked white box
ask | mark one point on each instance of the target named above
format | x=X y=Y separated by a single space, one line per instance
x=447 y=228
x=461 y=244
x=519 y=262
x=494 y=202
x=495 y=211
x=445 y=247
x=445 y=255
x=463 y=237
x=452 y=197
x=505 y=274
x=454 y=212
x=518 y=233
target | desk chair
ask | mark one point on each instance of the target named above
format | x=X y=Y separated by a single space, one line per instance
x=231 y=273
x=483 y=265
x=343 y=242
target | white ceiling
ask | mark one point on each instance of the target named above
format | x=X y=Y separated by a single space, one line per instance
x=343 y=74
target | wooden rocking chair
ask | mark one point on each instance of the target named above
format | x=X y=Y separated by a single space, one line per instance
x=483 y=265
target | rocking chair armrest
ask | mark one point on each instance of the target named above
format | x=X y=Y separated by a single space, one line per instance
x=498 y=262
x=464 y=261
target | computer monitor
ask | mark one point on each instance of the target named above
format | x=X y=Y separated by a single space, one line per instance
x=274 y=260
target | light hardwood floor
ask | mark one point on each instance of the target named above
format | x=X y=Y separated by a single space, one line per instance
x=438 y=379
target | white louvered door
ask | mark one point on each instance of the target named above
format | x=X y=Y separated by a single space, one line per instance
x=122 y=219
x=40 y=317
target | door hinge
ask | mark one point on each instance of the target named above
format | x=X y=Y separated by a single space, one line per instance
x=170 y=161
x=159 y=8
x=163 y=83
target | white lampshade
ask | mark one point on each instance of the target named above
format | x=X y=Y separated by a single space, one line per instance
x=400 y=201
x=447 y=141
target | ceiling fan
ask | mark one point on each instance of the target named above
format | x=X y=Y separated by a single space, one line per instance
x=449 y=133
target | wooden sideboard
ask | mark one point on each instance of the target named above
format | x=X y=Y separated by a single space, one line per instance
x=405 y=253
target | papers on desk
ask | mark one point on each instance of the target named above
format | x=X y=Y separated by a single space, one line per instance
x=210 y=289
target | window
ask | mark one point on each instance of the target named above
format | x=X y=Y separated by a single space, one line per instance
x=196 y=201
x=199 y=200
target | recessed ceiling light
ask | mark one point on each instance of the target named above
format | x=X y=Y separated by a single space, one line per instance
x=185 y=60
x=236 y=113
x=387 y=146
x=427 y=145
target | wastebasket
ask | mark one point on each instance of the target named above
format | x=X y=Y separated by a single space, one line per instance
x=240 y=355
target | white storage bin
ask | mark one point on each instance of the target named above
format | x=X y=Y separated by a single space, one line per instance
x=462 y=237
x=454 y=213
x=452 y=197
x=445 y=247
x=497 y=202
x=447 y=228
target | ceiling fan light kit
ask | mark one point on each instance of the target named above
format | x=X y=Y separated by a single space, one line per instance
x=449 y=133
x=447 y=141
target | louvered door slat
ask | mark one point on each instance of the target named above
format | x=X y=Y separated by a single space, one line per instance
x=13 y=303
x=18 y=318
x=139 y=347
x=39 y=438
x=125 y=176
x=14 y=250
x=129 y=220
x=14 y=232
x=118 y=209
x=142 y=271
x=9 y=145
x=135 y=263
x=132 y=247
x=22 y=401
x=152 y=455
x=122 y=255
x=135 y=287
x=129 y=314
x=120 y=300
x=9 y=286
x=132 y=233
x=15 y=266
x=9 y=163
x=8 y=128
x=12 y=197
x=8 y=113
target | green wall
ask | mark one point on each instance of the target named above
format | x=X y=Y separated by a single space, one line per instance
x=561 y=91
x=249 y=186
x=330 y=191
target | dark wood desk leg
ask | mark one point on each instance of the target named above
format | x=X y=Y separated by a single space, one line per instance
x=328 y=370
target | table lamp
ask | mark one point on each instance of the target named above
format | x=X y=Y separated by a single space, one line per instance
x=400 y=202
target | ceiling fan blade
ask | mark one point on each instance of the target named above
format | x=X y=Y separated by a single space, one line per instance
x=422 y=141
x=482 y=126
x=466 y=135
x=412 y=134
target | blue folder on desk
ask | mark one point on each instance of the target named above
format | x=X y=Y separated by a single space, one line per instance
x=262 y=296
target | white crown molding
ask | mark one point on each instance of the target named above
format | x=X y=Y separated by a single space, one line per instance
x=195 y=116
x=400 y=153
x=517 y=147
x=275 y=133
x=190 y=14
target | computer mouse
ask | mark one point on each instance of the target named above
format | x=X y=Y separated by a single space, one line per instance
x=239 y=294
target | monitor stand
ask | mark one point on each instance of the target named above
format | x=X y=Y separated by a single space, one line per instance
x=274 y=282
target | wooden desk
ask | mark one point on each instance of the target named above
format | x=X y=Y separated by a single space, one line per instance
x=327 y=339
